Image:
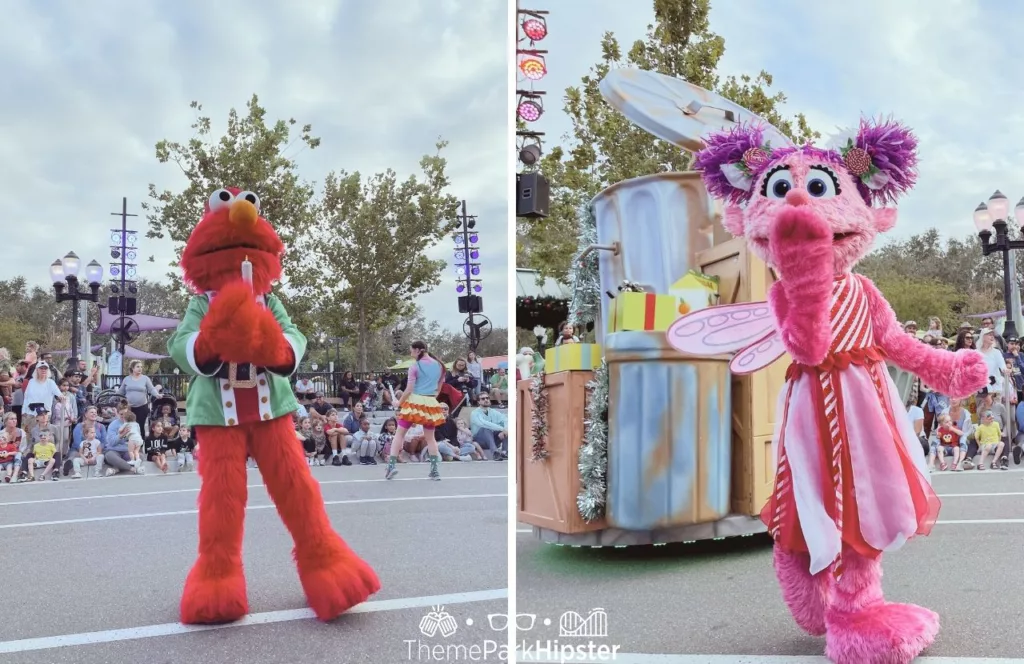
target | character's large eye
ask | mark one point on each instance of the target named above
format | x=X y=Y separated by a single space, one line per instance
x=251 y=197
x=778 y=184
x=821 y=182
x=220 y=198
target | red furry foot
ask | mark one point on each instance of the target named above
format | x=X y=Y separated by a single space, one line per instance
x=880 y=634
x=211 y=599
x=804 y=594
x=336 y=580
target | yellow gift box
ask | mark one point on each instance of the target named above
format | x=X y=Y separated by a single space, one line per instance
x=643 y=311
x=572 y=357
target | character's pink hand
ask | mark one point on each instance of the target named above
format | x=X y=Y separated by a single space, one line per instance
x=800 y=241
x=969 y=374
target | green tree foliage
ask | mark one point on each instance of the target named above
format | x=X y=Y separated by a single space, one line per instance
x=366 y=259
x=606 y=148
x=355 y=259
x=250 y=155
x=925 y=275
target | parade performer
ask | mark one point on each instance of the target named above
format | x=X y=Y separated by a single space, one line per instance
x=419 y=405
x=238 y=342
x=851 y=480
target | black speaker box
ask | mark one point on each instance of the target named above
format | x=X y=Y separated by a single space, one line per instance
x=533 y=196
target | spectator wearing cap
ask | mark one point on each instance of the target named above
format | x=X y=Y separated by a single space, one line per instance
x=40 y=393
x=910 y=327
x=989 y=323
x=319 y=408
x=993 y=359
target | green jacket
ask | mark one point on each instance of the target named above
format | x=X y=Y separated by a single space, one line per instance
x=213 y=401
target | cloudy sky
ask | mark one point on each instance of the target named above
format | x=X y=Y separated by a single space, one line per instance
x=948 y=68
x=89 y=87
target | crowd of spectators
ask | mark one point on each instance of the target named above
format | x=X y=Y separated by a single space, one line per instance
x=337 y=431
x=984 y=430
x=52 y=427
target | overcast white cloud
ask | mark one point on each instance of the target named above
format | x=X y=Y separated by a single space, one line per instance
x=90 y=87
x=947 y=68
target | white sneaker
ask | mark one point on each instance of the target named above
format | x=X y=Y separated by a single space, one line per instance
x=111 y=472
x=465 y=457
x=76 y=475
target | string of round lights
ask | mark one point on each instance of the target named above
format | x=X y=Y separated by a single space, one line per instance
x=532 y=67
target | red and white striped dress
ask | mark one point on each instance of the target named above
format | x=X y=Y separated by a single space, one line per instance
x=850 y=467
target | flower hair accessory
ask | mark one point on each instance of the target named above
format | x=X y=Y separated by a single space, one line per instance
x=882 y=157
x=732 y=161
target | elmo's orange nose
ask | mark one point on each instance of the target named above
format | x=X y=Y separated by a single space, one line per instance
x=243 y=213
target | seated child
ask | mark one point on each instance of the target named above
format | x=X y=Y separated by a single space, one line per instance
x=989 y=439
x=415 y=446
x=43 y=456
x=133 y=433
x=304 y=432
x=336 y=438
x=88 y=453
x=321 y=450
x=365 y=443
x=945 y=442
x=9 y=456
x=156 y=446
x=182 y=448
x=468 y=446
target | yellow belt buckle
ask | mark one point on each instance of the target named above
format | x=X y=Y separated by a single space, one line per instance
x=233 y=377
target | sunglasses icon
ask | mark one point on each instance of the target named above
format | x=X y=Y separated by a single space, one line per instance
x=499 y=621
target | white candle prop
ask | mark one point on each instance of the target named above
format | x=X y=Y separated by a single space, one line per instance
x=247 y=271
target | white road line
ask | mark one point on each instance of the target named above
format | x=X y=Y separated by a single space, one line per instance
x=171 y=629
x=357 y=501
x=250 y=486
x=636 y=658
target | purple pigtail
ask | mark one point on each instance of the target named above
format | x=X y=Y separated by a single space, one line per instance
x=892 y=149
x=730 y=159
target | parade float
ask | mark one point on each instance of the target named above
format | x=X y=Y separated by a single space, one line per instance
x=629 y=441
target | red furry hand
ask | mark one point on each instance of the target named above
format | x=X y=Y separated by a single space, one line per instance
x=970 y=374
x=230 y=329
x=273 y=349
x=800 y=241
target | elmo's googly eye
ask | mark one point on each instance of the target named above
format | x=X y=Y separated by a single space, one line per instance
x=251 y=197
x=219 y=199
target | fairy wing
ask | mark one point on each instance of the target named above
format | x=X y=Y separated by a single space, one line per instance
x=758 y=355
x=727 y=328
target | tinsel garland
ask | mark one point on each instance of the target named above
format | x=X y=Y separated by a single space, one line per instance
x=593 y=460
x=585 y=306
x=540 y=418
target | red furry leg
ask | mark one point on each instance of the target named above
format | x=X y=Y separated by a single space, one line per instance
x=333 y=577
x=865 y=629
x=215 y=588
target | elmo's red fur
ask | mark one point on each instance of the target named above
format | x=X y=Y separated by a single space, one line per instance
x=236 y=329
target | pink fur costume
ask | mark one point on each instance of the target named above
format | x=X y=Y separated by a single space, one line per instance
x=851 y=480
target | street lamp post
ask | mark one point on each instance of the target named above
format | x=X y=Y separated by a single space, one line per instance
x=64 y=274
x=993 y=217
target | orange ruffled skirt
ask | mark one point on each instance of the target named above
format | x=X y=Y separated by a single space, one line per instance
x=421 y=409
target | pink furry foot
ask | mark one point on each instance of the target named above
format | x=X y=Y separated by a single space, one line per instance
x=335 y=581
x=212 y=598
x=804 y=594
x=880 y=634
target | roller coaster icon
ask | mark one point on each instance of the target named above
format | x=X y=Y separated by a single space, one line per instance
x=595 y=625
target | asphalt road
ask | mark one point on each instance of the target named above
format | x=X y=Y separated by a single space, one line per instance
x=718 y=602
x=111 y=556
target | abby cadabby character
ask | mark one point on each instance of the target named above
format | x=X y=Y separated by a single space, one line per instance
x=851 y=480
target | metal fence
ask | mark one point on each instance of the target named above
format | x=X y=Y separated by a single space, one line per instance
x=327 y=382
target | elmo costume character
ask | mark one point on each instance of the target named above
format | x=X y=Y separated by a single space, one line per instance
x=239 y=344
x=851 y=481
